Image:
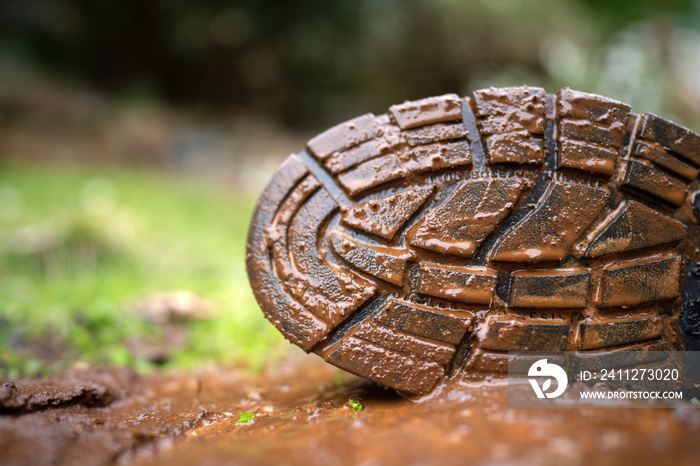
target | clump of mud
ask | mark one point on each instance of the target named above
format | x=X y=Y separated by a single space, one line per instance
x=300 y=413
x=98 y=388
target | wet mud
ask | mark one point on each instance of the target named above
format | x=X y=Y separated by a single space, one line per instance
x=302 y=416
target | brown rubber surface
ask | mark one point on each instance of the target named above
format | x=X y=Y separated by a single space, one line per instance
x=439 y=236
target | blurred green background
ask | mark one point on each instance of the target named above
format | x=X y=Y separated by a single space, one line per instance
x=135 y=136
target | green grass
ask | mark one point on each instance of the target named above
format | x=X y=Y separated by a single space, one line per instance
x=245 y=418
x=79 y=246
x=355 y=405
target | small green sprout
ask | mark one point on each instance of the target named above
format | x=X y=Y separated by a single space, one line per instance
x=695 y=401
x=245 y=418
x=355 y=404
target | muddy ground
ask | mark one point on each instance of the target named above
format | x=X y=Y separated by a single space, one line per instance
x=114 y=416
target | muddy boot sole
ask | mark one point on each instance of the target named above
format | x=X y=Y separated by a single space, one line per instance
x=439 y=236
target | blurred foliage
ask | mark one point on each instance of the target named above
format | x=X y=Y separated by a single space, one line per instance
x=70 y=284
x=616 y=14
x=309 y=62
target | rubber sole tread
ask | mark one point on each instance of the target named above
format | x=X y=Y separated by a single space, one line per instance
x=435 y=238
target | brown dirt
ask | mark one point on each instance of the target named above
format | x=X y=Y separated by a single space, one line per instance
x=113 y=416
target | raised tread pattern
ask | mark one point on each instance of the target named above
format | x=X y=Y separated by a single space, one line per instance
x=435 y=238
x=591 y=131
x=548 y=233
x=471 y=214
x=512 y=124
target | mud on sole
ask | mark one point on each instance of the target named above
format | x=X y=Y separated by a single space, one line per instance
x=437 y=237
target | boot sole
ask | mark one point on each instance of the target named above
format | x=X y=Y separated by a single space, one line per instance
x=439 y=236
